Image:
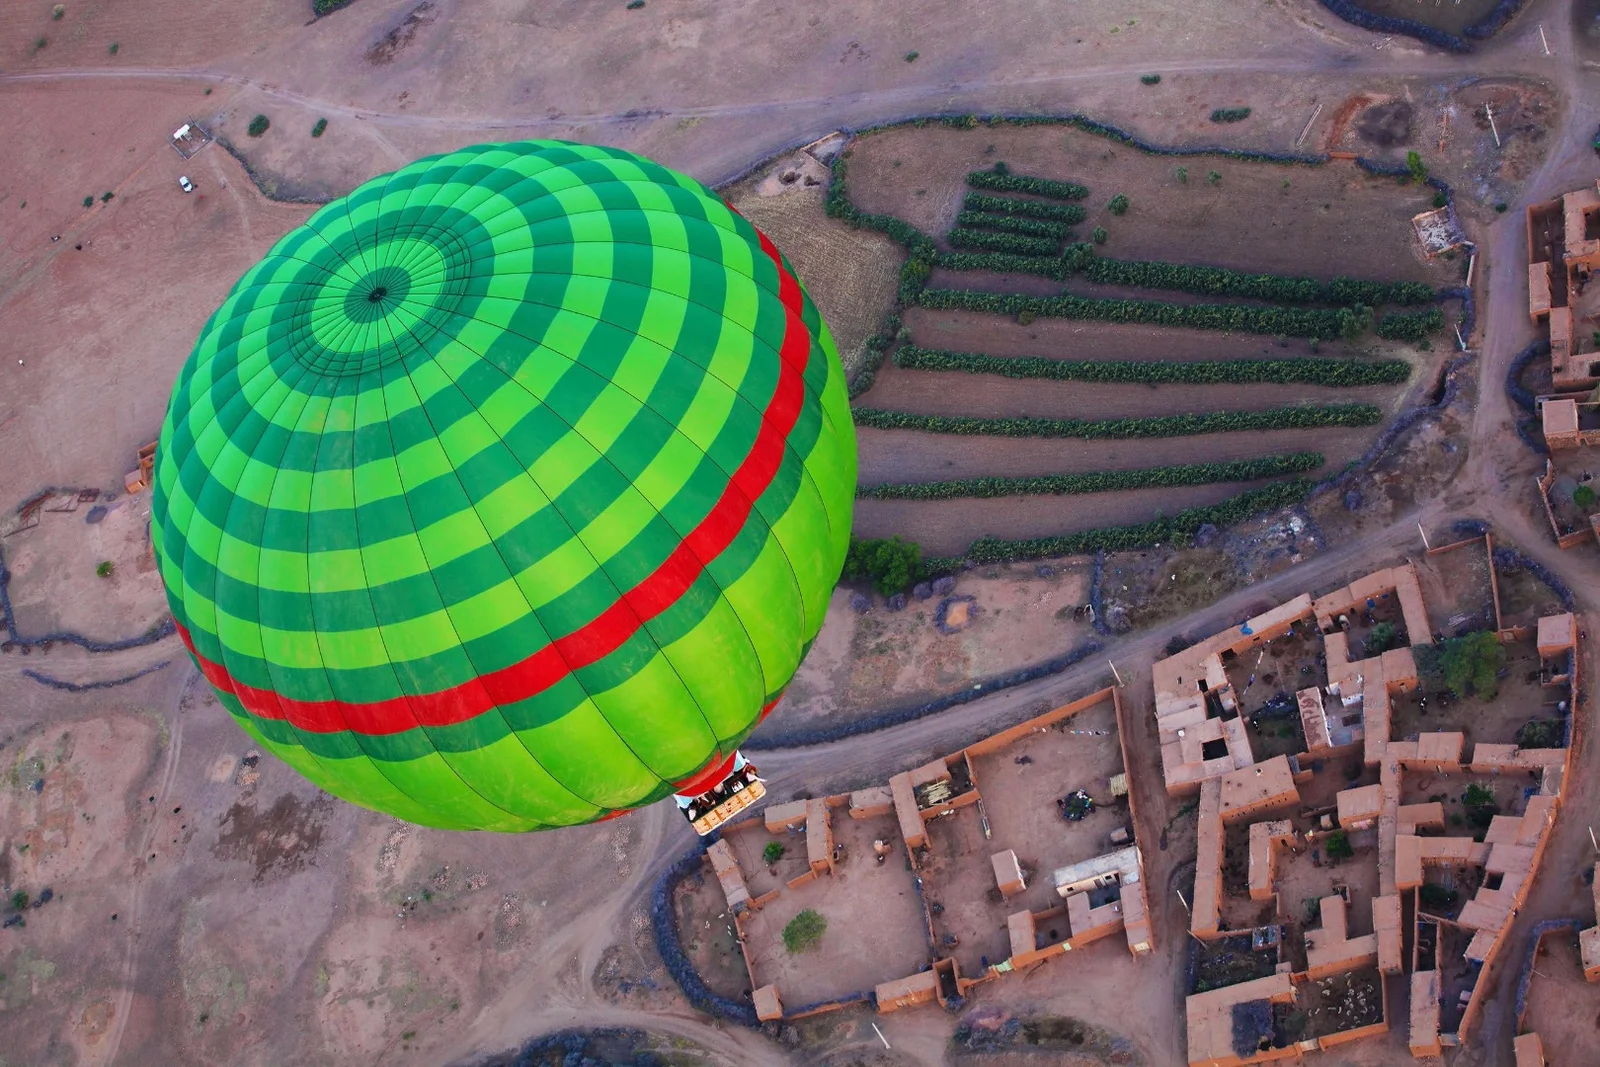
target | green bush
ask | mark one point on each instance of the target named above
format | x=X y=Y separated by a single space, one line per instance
x=1467 y=664
x=1005 y=205
x=1584 y=497
x=105 y=568
x=1182 y=174
x=1283 y=289
x=88 y=201
x=258 y=126
x=1230 y=114
x=1277 y=321
x=1014 y=243
x=1243 y=470
x=889 y=563
x=58 y=12
x=804 y=931
x=325 y=7
x=1439 y=199
x=1293 y=417
x=1235 y=509
x=911 y=57
x=113 y=48
x=1334 y=372
x=1418 y=170
x=1098 y=235
x=106 y=196
x=1213 y=178
x=1012 y=224
x=19 y=900
x=773 y=852
x=1380 y=639
x=1118 y=205
x=1410 y=326
x=1338 y=846
x=1150 y=79
x=1541 y=733
x=319 y=128
x=1005 y=182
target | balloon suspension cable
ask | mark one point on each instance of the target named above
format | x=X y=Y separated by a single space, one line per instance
x=720 y=792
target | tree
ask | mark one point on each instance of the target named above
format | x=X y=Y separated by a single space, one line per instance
x=258 y=126
x=773 y=852
x=1099 y=235
x=1338 y=845
x=1381 y=639
x=1471 y=664
x=804 y=931
x=1419 y=172
x=1118 y=205
x=890 y=563
x=1584 y=496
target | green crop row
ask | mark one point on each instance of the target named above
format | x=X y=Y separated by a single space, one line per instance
x=1005 y=182
x=1005 y=263
x=1005 y=205
x=1230 y=114
x=1239 y=470
x=1180 y=527
x=1219 y=281
x=1285 y=322
x=1309 y=371
x=1413 y=326
x=1011 y=224
x=1295 y=417
x=1014 y=243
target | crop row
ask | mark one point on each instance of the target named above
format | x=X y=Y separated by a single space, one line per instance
x=1293 y=417
x=1230 y=114
x=1239 y=470
x=1180 y=527
x=1285 y=322
x=1219 y=281
x=1012 y=243
x=1013 y=224
x=1005 y=263
x=1413 y=326
x=1005 y=182
x=1309 y=371
x=1005 y=205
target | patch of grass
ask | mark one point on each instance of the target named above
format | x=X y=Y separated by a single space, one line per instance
x=105 y=568
x=804 y=931
x=773 y=852
x=911 y=57
x=319 y=128
x=258 y=126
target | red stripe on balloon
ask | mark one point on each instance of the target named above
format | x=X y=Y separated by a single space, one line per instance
x=608 y=631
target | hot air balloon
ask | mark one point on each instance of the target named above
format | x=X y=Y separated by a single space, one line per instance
x=508 y=492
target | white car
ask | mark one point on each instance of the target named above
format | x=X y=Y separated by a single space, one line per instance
x=186 y=185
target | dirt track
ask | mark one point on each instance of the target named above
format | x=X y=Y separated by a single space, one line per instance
x=321 y=943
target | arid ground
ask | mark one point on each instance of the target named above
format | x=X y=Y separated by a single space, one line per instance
x=207 y=906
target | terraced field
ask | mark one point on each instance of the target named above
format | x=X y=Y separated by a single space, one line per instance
x=1183 y=330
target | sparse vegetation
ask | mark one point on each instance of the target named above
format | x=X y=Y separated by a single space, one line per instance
x=320 y=128
x=773 y=852
x=890 y=563
x=105 y=568
x=804 y=931
x=1230 y=114
x=1182 y=174
x=258 y=126
x=1118 y=205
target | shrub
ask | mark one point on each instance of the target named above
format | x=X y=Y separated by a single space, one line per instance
x=1333 y=372
x=1416 y=168
x=1230 y=114
x=258 y=126
x=1213 y=178
x=106 y=196
x=40 y=42
x=1015 y=243
x=1006 y=263
x=19 y=900
x=1098 y=235
x=105 y=568
x=773 y=852
x=804 y=931
x=1584 y=496
x=1411 y=327
x=911 y=57
x=889 y=563
x=1150 y=79
x=1068 y=213
x=325 y=7
x=1541 y=733
x=1439 y=199
x=1298 y=416
x=1380 y=639
x=113 y=48
x=1006 y=182
x=1012 y=224
x=57 y=12
x=1338 y=846
x=1182 y=174
x=1244 y=470
x=1286 y=322
x=88 y=201
x=1500 y=207
x=320 y=128
x=1118 y=205
x=1436 y=897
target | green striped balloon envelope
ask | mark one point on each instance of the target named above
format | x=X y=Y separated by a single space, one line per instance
x=508 y=492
